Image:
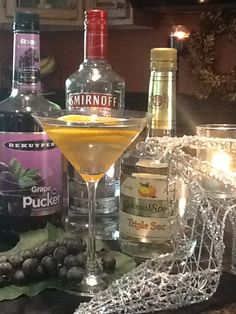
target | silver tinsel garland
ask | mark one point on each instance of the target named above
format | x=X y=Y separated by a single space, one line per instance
x=191 y=273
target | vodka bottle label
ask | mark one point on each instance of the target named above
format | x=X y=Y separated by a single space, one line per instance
x=97 y=100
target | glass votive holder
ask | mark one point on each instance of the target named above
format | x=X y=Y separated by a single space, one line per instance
x=218 y=158
x=225 y=161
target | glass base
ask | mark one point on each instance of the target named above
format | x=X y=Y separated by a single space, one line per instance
x=90 y=285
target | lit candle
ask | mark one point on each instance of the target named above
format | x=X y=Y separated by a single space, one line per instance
x=219 y=159
x=179 y=37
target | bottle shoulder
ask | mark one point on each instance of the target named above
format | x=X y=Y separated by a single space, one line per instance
x=28 y=103
x=94 y=71
x=139 y=160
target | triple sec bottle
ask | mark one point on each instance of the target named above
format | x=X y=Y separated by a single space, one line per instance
x=149 y=200
x=30 y=163
x=95 y=84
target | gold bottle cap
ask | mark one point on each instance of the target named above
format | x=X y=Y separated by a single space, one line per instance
x=164 y=58
x=164 y=54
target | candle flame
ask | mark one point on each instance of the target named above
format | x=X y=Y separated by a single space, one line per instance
x=221 y=161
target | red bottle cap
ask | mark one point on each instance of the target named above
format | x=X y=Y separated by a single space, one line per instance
x=95 y=20
x=95 y=26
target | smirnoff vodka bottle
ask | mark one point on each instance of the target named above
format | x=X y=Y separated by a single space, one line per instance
x=95 y=84
x=30 y=163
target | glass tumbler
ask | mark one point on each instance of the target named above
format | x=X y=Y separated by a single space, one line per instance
x=225 y=161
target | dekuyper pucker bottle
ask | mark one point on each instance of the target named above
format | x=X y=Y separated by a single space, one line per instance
x=30 y=163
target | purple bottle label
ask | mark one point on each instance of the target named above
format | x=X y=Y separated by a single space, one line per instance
x=30 y=175
x=27 y=60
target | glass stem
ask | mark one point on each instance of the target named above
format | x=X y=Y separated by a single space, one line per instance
x=91 y=250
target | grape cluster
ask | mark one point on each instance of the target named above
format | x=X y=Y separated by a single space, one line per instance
x=11 y=190
x=65 y=259
x=9 y=187
x=29 y=58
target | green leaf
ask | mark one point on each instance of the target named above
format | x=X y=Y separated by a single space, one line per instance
x=31 y=289
x=14 y=166
x=26 y=177
x=124 y=264
x=25 y=182
x=32 y=173
x=32 y=239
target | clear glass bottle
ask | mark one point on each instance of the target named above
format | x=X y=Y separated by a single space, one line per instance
x=95 y=84
x=148 y=197
x=30 y=163
x=162 y=92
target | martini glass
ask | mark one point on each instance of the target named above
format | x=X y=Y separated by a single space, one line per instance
x=92 y=140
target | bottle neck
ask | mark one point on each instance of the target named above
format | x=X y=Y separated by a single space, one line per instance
x=95 y=44
x=162 y=103
x=26 y=63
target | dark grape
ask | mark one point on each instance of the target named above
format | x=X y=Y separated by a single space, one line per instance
x=29 y=266
x=49 y=264
x=18 y=277
x=8 y=182
x=5 y=268
x=40 y=273
x=60 y=253
x=108 y=262
x=63 y=273
x=14 y=208
x=75 y=274
x=70 y=261
x=27 y=254
x=63 y=242
x=74 y=246
x=3 y=167
x=81 y=260
x=102 y=252
x=39 y=181
x=3 y=259
x=40 y=252
x=29 y=58
x=4 y=204
x=1 y=281
x=50 y=247
x=16 y=260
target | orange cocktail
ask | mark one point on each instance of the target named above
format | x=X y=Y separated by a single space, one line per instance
x=93 y=149
x=92 y=140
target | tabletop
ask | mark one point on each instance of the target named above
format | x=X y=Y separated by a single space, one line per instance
x=58 y=302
